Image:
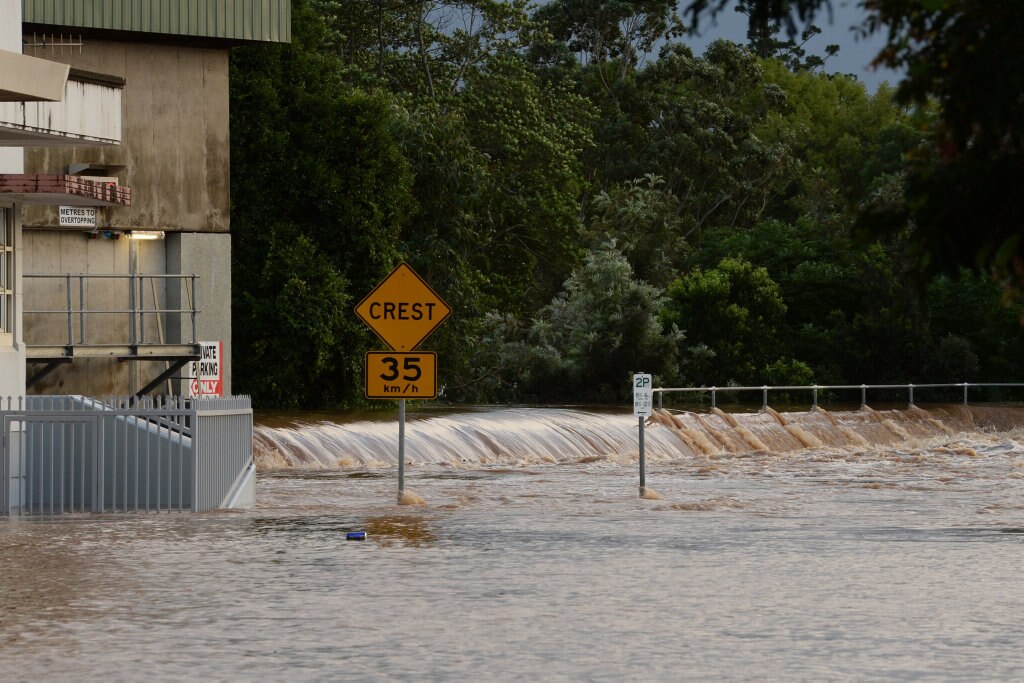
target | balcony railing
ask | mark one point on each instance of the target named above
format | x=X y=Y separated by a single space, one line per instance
x=146 y=323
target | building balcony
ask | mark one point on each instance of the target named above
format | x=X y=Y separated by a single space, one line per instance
x=88 y=114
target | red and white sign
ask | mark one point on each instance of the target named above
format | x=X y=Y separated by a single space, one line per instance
x=205 y=377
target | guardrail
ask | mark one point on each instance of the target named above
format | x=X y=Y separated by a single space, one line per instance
x=76 y=304
x=815 y=388
x=66 y=454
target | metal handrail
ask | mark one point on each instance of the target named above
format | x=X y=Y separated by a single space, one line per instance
x=137 y=303
x=814 y=388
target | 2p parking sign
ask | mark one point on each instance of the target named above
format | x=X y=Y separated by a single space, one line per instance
x=643 y=395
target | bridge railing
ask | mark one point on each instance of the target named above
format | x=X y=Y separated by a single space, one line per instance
x=814 y=390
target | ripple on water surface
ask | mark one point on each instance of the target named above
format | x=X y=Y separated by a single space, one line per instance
x=895 y=559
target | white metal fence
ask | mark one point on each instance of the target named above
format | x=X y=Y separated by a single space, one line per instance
x=64 y=454
x=815 y=389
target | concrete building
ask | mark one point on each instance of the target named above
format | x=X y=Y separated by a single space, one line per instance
x=41 y=103
x=115 y=303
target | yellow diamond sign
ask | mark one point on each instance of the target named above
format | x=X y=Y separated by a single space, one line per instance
x=403 y=310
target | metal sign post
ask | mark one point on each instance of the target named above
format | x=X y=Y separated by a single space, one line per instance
x=402 y=310
x=401 y=448
x=643 y=465
x=643 y=402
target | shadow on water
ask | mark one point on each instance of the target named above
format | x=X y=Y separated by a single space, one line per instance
x=325 y=475
x=410 y=530
x=386 y=530
x=940 y=534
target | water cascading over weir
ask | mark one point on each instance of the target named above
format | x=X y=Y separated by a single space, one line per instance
x=529 y=436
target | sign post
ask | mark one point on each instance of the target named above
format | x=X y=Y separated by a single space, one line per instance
x=402 y=310
x=643 y=401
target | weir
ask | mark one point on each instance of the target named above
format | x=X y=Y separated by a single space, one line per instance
x=529 y=436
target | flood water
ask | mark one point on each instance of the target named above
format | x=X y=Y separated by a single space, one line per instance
x=795 y=546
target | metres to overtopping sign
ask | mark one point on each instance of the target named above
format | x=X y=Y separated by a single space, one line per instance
x=643 y=395
x=403 y=310
x=390 y=374
x=77 y=216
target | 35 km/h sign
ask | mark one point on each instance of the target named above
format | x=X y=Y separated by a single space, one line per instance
x=403 y=310
x=394 y=375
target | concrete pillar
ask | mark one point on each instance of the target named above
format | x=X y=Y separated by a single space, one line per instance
x=207 y=255
x=12 y=346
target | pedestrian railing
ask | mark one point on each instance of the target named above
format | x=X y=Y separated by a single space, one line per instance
x=815 y=389
x=73 y=454
x=77 y=307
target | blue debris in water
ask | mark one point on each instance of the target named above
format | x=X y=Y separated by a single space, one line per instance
x=355 y=536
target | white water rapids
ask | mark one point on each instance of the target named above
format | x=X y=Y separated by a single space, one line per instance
x=529 y=436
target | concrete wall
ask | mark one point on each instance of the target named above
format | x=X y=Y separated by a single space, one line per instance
x=12 y=352
x=11 y=159
x=53 y=252
x=175 y=136
x=175 y=150
x=210 y=257
x=10 y=25
x=58 y=252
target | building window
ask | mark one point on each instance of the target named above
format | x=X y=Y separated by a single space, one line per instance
x=6 y=271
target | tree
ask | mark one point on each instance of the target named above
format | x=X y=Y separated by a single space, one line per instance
x=764 y=41
x=320 y=190
x=643 y=219
x=962 y=190
x=583 y=345
x=610 y=30
x=533 y=134
x=962 y=204
x=733 y=310
x=705 y=125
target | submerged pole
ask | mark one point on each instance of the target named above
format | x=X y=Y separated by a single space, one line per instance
x=643 y=465
x=401 y=448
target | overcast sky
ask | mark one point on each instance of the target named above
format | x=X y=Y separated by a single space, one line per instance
x=855 y=54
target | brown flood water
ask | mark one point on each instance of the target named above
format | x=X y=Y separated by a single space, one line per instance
x=796 y=546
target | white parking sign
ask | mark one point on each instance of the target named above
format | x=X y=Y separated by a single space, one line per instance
x=643 y=395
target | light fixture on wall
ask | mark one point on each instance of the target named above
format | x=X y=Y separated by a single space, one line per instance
x=146 y=234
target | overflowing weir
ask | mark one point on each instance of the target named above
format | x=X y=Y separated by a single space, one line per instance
x=527 y=436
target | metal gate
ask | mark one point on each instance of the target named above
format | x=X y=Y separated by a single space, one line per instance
x=50 y=463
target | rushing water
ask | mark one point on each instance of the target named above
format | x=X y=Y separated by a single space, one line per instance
x=797 y=546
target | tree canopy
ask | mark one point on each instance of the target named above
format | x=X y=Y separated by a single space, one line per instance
x=593 y=198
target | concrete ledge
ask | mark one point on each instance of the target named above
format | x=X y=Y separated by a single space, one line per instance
x=88 y=113
x=48 y=189
x=30 y=79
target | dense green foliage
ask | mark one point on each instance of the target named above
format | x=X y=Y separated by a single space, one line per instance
x=587 y=207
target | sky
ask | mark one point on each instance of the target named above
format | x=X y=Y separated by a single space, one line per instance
x=855 y=53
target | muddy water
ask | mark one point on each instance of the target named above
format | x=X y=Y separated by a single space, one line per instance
x=887 y=548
